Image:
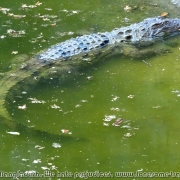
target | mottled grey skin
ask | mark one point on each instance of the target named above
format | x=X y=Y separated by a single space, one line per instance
x=147 y=31
x=176 y=2
x=79 y=52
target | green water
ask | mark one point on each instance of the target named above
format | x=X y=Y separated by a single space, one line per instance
x=151 y=116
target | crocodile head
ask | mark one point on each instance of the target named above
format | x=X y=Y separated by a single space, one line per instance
x=151 y=29
x=162 y=28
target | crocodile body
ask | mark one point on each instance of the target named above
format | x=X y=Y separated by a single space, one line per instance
x=80 y=51
x=149 y=30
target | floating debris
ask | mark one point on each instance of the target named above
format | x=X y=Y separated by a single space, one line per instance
x=2 y=37
x=55 y=106
x=77 y=105
x=117 y=122
x=66 y=112
x=23 y=66
x=24 y=92
x=105 y=124
x=127 y=8
x=175 y=91
x=131 y=96
x=25 y=159
x=37 y=161
x=70 y=33
x=45 y=168
x=114 y=109
x=34 y=100
x=164 y=14
x=12 y=74
x=89 y=77
x=128 y=135
x=75 y=12
x=16 y=16
x=65 y=131
x=54 y=100
x=22 y=107
x=38 y=3
x=84 y=101
x=109 y=117
x=64 y=33
x=56 y=145
x=54 y=24
x=48 y=9
x=53 y=158
x=39 y=147
x=146 y=63
x=155 y=107
x=65 y=10
x=13 y=133
x=32 y=6
x=139 y=170
x=47 y=17
x=24 y=6
x=126 y=126
x=14 y=33
x=4 y=10
x=53 y=167
x=115 y=98
x=14 y=52
x=126 y=20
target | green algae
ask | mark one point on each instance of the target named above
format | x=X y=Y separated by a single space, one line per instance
x=154 y=147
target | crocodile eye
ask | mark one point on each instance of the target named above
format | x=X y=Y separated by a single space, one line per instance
x=157 y=25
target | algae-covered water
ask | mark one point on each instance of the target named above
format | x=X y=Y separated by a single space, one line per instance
x=144 y=92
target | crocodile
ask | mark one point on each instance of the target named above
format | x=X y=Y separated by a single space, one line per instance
x=75 y=53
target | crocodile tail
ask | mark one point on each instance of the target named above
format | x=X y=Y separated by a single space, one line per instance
x=9 y=84
x=5 y=117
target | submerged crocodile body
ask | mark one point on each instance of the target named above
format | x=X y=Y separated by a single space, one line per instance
x=149 y=30
x=80 y=51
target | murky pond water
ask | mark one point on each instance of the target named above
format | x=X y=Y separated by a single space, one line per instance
x=144 y=92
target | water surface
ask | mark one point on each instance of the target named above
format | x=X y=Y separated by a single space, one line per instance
x=144 y=92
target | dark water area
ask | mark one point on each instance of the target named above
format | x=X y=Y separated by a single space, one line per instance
x=73 y=117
